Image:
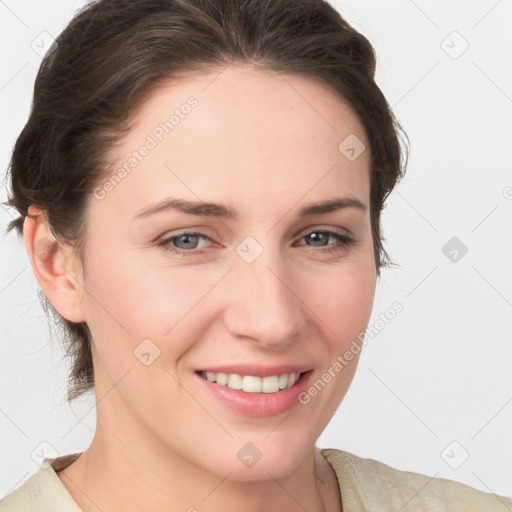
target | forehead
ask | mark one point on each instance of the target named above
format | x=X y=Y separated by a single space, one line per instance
x=218 y=133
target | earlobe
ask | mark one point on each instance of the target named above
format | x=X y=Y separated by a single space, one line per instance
x=54 y=266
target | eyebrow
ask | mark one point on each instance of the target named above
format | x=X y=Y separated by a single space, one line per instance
x=222 y=211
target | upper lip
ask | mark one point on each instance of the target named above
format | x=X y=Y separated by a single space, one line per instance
x=257 y=370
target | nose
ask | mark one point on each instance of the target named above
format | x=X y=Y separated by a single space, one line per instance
x=262 y=304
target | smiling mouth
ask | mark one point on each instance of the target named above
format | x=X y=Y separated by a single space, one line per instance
x=252 y=383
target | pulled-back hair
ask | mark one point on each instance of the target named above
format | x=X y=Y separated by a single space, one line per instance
x=114 y=53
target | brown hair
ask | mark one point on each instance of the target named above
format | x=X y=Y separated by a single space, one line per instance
x=114 y=53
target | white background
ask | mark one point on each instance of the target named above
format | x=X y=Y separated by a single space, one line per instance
x=435 y=385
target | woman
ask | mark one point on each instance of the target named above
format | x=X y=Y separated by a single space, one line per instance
x=199 y=186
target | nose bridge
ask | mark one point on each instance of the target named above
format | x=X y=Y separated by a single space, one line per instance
x=261 y=304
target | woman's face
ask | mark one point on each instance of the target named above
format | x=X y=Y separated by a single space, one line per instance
x=264 y=291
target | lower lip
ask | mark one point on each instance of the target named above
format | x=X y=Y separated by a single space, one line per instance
x=260 y=405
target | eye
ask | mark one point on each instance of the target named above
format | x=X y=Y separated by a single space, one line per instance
x=183 y=244
x=320 y=238
x=188 y=243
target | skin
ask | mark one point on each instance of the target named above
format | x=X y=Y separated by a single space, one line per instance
x=266 y=145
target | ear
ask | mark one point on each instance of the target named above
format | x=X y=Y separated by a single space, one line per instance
x=56 y=266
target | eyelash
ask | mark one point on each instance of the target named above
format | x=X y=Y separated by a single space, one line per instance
x=343 y=242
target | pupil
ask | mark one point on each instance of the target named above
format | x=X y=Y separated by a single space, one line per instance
x=187 y=239
x=318 y=237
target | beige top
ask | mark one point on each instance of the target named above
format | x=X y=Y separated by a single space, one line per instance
x=365 y=486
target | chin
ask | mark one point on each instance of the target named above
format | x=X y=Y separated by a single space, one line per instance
x=262 y=456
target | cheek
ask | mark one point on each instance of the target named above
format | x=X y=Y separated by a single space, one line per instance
x=342 y=301
x=130 y=300
x=343 y=310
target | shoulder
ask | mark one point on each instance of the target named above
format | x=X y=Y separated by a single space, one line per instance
x=366 y=484
x=43 y=491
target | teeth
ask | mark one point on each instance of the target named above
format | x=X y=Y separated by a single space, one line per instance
x=283 y=381
x=270 y=384
x=234 y=381
x=251 y=383
x=222 y=379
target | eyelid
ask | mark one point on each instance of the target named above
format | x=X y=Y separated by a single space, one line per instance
x=301 y=234
x=332 y=229
x=167 y=237
x=199 y=231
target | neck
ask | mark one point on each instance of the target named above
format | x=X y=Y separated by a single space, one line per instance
x=115 y=474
